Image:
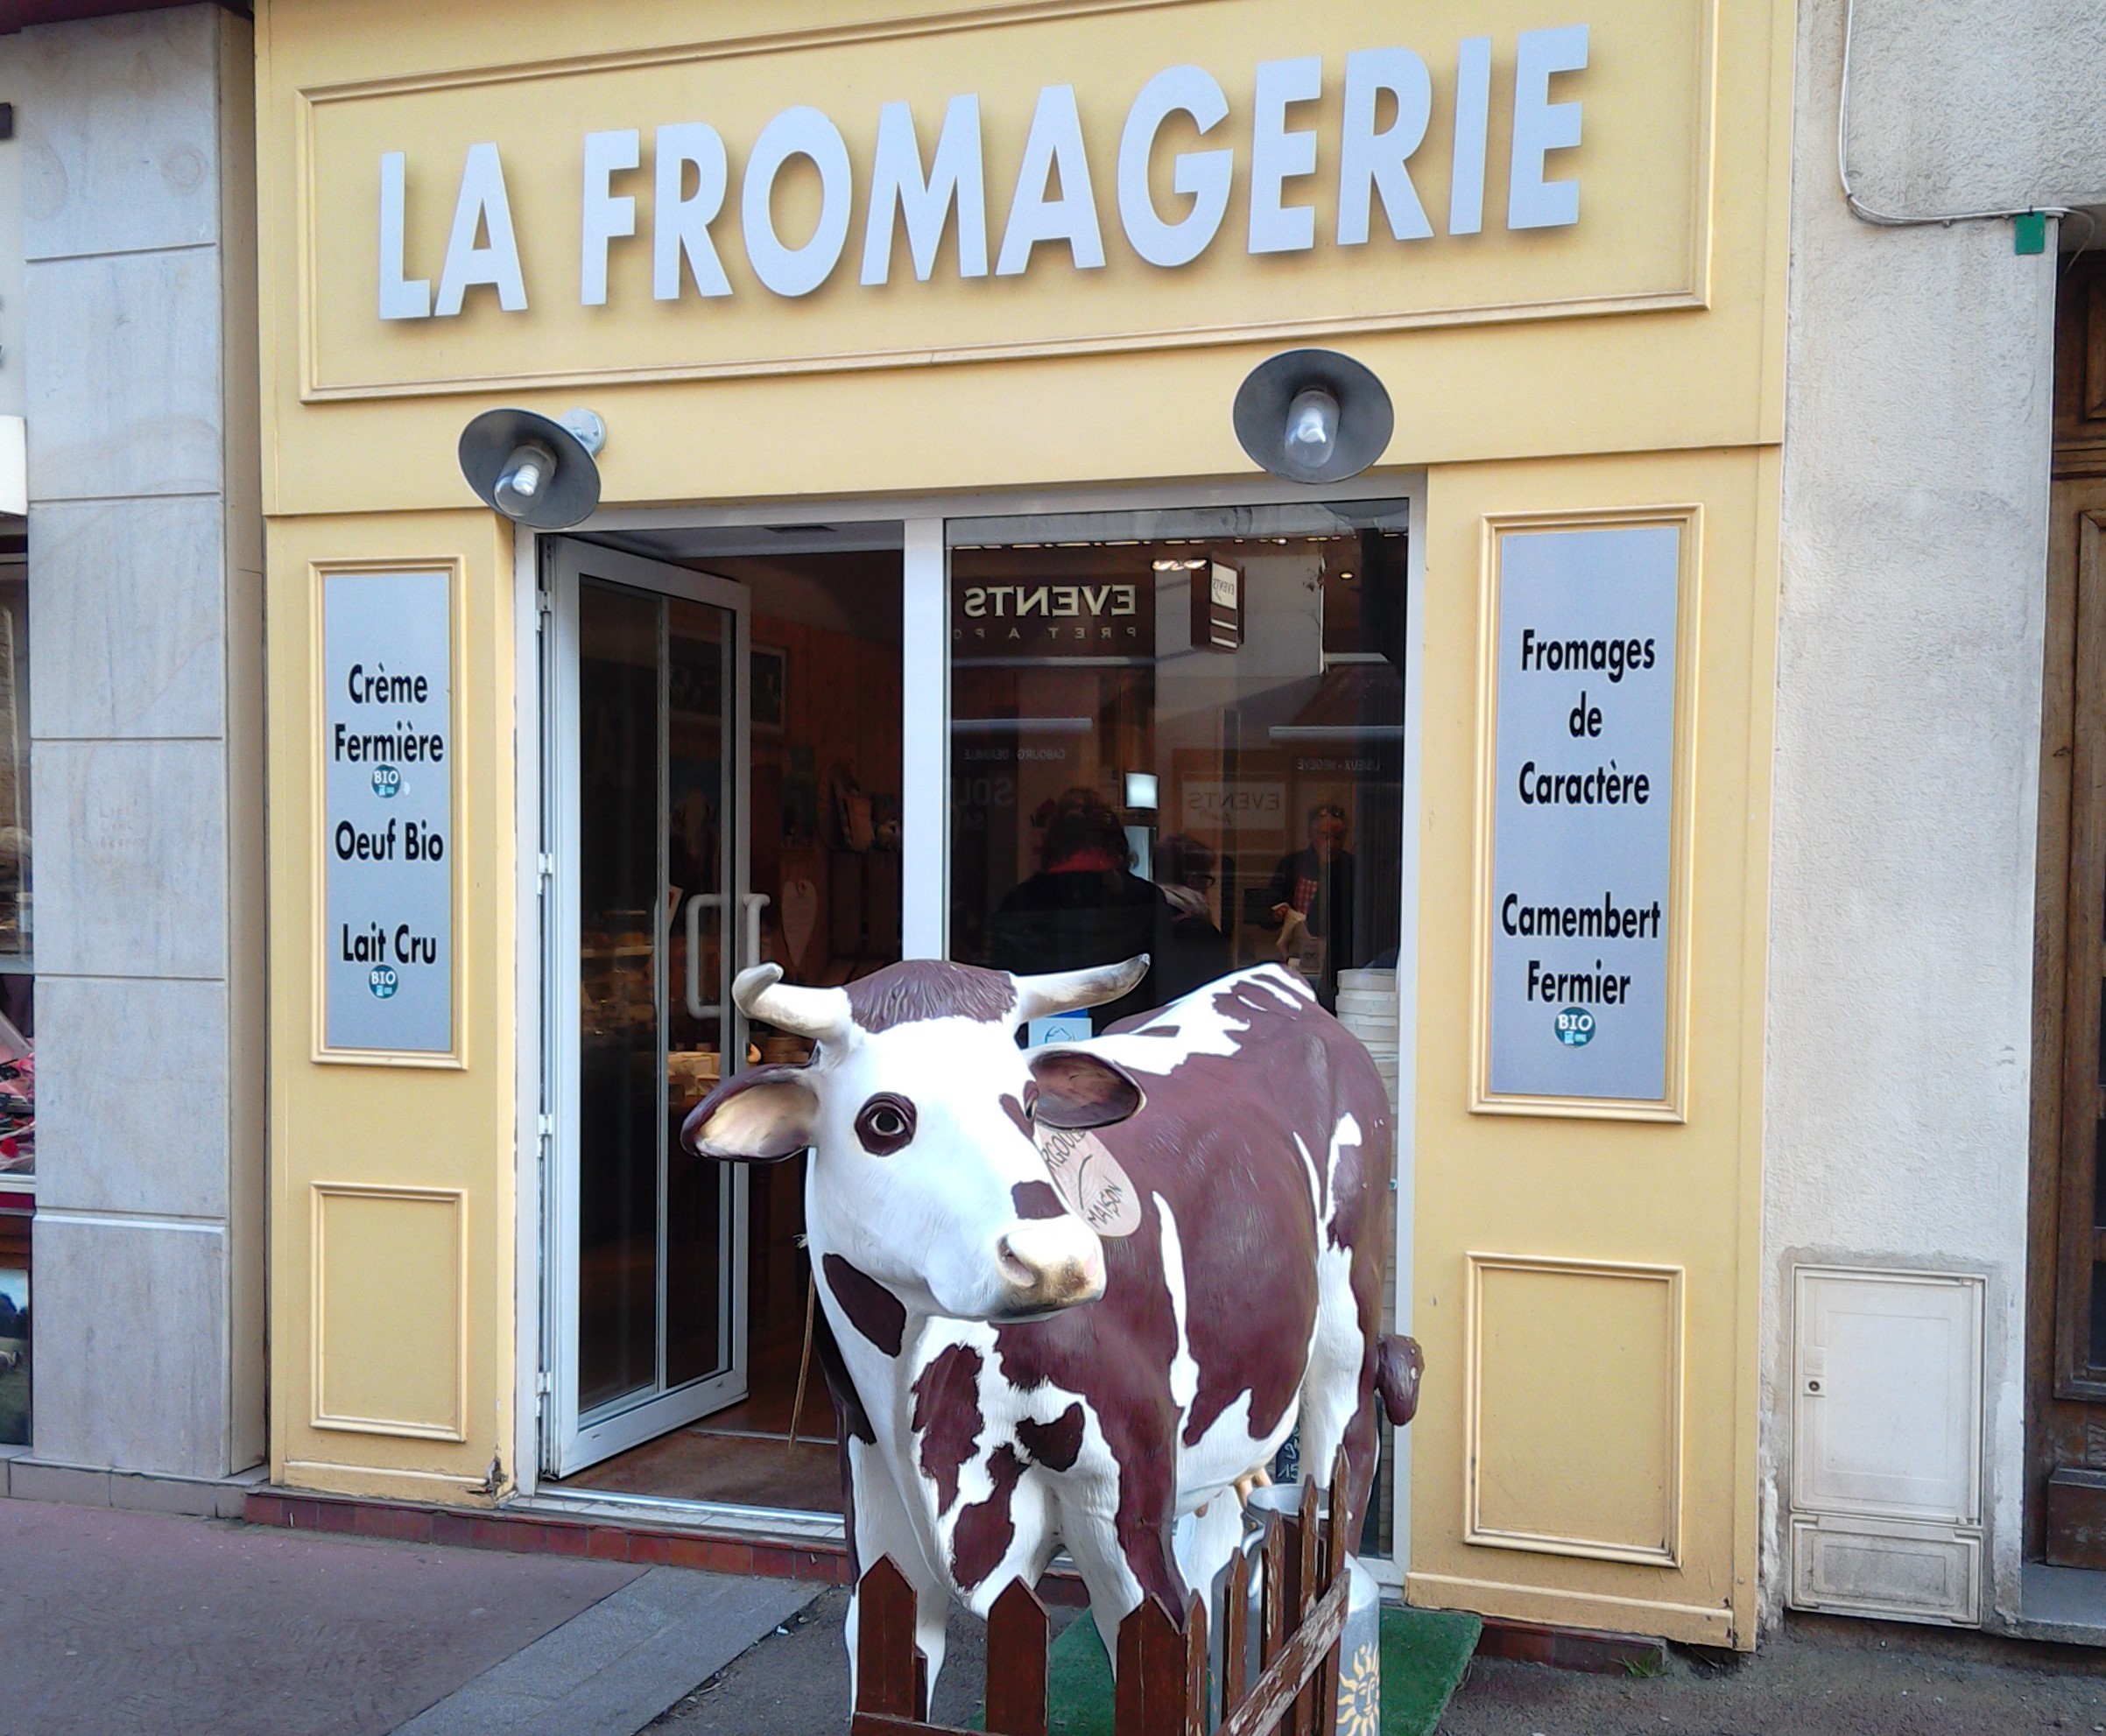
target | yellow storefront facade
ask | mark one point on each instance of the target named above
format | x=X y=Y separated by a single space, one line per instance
x=883 y=308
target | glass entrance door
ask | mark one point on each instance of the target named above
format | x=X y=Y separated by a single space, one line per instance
x=647 y=915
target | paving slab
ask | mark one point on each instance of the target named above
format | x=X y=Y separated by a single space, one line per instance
x=113 y=1622
x=797 y=1682
x=613 y=1668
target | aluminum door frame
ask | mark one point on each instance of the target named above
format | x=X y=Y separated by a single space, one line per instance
x=571 y=1440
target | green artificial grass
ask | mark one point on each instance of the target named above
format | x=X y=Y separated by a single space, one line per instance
x=1078 y=1681
x=1424 y=1654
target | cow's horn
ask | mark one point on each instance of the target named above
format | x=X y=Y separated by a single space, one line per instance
x=1071 y=991
x=819 y=1013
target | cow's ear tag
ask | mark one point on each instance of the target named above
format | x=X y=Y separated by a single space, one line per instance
x=1090 y=1181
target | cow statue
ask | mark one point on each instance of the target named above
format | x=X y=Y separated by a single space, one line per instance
x=1080 y=1292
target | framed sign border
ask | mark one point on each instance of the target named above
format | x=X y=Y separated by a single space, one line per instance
x=318 y=573
x=1688 y=519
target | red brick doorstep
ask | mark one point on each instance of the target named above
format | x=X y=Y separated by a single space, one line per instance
x=524 y=1532
x=1577 y=1648
x=532 y=1533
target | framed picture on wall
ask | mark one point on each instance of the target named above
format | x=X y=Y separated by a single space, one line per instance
x=770 y=689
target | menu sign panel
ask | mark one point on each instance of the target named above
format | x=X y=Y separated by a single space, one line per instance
x=1582 y=817
x=387 y=812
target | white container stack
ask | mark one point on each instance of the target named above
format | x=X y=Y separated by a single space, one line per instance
x=1367 y=1006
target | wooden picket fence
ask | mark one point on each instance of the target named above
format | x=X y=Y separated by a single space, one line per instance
x=1161 y=1685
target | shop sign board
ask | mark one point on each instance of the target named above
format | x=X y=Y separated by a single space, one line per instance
x=1006 y=182
x=387 y=752
x=1581 y=1000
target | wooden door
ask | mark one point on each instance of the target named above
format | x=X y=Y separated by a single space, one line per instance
x=2065 y=1355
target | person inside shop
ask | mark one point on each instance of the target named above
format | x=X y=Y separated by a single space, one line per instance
x=1312 y=900
x=1085 y=906
x=1197 y=951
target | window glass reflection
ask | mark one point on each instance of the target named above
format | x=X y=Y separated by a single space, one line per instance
x=1190 y=746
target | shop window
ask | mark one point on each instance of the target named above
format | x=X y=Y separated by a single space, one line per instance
x=17 y=1014
x=18 y=997
x=14 y=1327
x=1186 y=740
x=1182 y=735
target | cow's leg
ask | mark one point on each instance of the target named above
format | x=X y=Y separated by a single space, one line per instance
x=1206 y=1543
x=883 y=1529
x=1209 y=1540
x=1114 y=1594
x=1337 y=1393
x=1120 y=1565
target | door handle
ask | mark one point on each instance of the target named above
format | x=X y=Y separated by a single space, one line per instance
x=756 y=902
x=697 y=1008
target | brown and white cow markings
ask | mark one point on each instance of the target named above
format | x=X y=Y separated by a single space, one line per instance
x=872 y=1308
x=1217 y=1144
x=1014 y=1373
x=947 y=1419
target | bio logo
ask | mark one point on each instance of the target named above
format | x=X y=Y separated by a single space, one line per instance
x=387 y=781
x=382 y=981
x=1575 y=1027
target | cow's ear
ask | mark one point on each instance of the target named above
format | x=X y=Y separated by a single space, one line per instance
x=1077 y=1089
x=759 y=1117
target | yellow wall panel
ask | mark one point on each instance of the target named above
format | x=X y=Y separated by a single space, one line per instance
x=1600 y=1192
x=1576 y=1413
x=390 y=1273
x=375 y=1164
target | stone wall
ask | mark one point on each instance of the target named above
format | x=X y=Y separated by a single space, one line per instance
x=1915 y=484
x=138 y=341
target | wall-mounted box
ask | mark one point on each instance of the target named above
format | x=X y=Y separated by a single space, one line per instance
x=1886 y=1442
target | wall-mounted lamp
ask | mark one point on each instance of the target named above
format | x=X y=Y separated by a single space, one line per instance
x=1313 y=415
x=536 y=472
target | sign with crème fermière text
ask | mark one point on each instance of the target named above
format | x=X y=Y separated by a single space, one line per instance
x=989 y=184
x=1583 y=812
x=387 y=942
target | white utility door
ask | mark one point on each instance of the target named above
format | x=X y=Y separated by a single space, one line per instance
x=647 y=920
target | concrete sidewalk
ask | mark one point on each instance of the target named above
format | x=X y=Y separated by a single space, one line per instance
x=1818 y=1676
x=114 y=1622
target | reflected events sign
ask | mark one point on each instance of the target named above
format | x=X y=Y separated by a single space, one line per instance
x=387 y=754
x=1583 y=812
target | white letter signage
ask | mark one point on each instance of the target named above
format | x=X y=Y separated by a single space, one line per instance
x=1336 y=171
x=387 y=753
x=1583 y=813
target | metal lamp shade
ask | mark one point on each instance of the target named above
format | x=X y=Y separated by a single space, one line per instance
x=569 y=496
x=1366 y=417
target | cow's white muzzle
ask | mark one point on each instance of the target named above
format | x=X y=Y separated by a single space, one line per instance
x=1049 y=1263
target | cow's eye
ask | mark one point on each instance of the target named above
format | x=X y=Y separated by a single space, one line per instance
x=886 y=1123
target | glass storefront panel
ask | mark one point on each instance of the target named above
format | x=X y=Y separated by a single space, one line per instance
x=619 y=880
x=17 y=985
x=1182 y=735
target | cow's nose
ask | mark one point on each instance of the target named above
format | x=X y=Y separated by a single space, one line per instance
x=1052 y=1262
